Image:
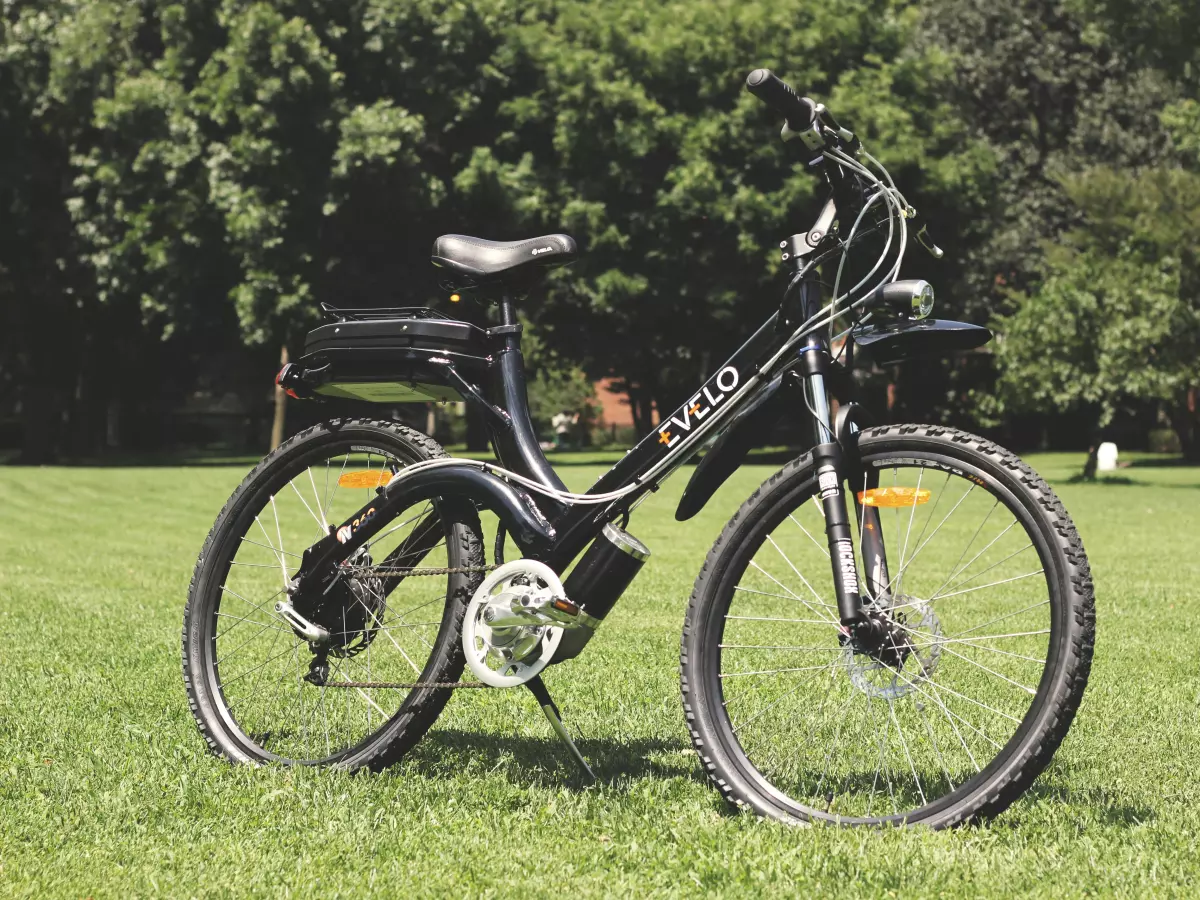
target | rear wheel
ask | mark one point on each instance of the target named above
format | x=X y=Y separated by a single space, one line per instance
x=261 y=693
x=989 y=607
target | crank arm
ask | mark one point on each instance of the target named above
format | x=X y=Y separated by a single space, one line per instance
x=556 y=611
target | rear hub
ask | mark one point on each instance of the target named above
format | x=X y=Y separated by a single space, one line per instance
x=350 y=609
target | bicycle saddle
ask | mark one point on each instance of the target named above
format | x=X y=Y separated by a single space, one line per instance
x=472 y=260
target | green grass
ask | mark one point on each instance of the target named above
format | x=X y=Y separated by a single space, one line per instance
x=106 y=789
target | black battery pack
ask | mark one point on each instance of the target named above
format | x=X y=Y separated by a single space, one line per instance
x=392 y=355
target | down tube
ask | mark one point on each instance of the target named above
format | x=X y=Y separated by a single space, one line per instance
x=693 y=416
x=669 y=438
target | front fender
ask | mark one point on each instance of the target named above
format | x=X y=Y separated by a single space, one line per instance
x=892 y=342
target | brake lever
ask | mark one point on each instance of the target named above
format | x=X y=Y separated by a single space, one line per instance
x=844 y=137
x=934 y=250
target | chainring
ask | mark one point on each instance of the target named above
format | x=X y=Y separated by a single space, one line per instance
x=513 y=655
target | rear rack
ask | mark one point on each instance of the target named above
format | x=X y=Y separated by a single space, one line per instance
x=376 y=313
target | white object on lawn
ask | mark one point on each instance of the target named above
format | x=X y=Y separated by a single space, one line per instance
x=1106 y=457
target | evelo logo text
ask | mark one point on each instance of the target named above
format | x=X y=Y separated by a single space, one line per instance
x=672 y=431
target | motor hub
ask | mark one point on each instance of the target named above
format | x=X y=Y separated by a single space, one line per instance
x=351 y=609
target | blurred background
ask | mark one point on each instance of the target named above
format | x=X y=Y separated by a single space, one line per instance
x=182 y=182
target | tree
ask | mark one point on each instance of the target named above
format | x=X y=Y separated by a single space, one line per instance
x=1128 y=285
x=257 y=159
x=49 y=320
x=1109 y=319
x=1115 y=320
x=638 y=137
x=1046 y=89
x=184 y=181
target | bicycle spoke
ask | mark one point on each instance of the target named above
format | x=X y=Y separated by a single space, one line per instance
x=956 y=572
x=767 y=647
x=984 y=587
x=818 y=544
x=1030 y=691
x=773 y=618
x=782 y=597
x=980 y=574
x=771 y=671
x=793 y=595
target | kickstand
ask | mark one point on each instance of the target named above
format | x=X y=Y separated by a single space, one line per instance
x=538 y=688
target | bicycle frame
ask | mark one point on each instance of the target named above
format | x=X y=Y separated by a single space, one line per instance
x=556 y=530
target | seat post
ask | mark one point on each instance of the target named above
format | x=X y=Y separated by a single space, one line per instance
x=506 y=310
x=518 y=447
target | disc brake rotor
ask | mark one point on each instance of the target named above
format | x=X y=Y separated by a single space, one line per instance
x=922 y=631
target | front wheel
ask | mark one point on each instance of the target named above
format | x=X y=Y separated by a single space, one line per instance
x=989 y=605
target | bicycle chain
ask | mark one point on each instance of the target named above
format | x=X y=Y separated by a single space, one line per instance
x=415 y=685
x=450 y=685
x=401 y=570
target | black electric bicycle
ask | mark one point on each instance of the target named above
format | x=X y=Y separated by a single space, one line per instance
x=897 y=627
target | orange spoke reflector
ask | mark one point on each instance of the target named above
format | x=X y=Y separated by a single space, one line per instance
x=365 y=479
x=893 y=496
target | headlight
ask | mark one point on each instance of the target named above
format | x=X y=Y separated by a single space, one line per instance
x=910 y=299
x=923 y=302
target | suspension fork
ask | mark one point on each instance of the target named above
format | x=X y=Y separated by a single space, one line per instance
x=829 y=460
x=835 y=467
x=830 y=464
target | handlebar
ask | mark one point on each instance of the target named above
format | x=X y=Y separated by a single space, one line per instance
x=838 y=155
x=800 y=112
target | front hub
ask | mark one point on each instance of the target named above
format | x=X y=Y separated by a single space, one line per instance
x=883 y=637
x=894 y=650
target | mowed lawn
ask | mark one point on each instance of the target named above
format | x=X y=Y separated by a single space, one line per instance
x=106 y=789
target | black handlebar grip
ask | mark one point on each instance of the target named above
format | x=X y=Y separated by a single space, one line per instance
x=780 y=96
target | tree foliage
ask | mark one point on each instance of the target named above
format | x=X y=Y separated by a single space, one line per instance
x=1110 y=319
x=184 y=181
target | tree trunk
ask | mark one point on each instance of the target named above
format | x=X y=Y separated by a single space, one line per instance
x=38 y=413
x=1089 y=466
x=1187 y=426
x=1092 y=462
x=635 y=409
x=280 y=420
x=647 y=403
x=112 y=425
